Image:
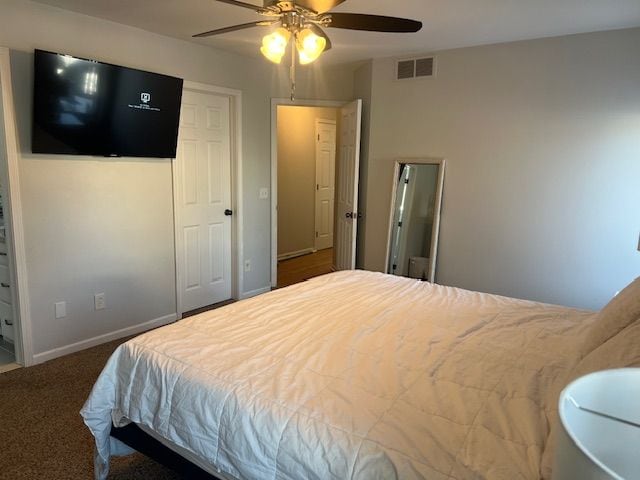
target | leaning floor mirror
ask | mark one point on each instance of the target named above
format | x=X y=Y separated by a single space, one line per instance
x=414 y=220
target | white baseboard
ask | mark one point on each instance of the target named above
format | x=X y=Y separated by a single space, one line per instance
x=100 y=339
x=297 y=253
x=253 y=293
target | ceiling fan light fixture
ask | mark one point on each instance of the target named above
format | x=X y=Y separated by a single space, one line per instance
x=310 y=46
x=274 y=45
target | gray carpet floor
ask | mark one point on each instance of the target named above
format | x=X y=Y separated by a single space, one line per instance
x=42 y=435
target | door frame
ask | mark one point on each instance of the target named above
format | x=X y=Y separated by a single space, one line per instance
x=13 y=212
x=237 y=244
x=275 y=102
x=317 y=124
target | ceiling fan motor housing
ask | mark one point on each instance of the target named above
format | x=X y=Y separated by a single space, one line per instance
x=283 y=6
x=296 y=15
x=293 y=21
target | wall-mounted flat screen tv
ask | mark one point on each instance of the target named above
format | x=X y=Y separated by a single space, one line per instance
x=85 y=107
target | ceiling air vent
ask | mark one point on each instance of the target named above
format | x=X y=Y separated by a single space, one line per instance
x=415 y=68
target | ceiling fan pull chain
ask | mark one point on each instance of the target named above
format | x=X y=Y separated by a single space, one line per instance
x=292 y=72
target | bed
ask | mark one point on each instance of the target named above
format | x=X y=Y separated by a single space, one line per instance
x=360 y=375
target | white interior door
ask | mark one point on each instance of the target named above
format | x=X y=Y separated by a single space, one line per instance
x=202 y=173
x=348 y=173
x=325 y=182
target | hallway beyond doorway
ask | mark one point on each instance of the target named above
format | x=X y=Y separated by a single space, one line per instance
x=302 y=268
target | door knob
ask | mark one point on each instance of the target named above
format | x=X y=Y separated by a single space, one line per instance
x=349 y=214
x=228 y=212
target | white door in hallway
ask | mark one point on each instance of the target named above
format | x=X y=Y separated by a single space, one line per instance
x=348 y=174
x=325 y=182
x=202 y=179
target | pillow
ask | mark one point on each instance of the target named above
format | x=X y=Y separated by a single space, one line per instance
x=620 y=351
x=621 y=311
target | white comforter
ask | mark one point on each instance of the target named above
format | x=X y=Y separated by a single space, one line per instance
x=350 y=375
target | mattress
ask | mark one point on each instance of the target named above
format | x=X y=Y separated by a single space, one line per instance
x=352 y=375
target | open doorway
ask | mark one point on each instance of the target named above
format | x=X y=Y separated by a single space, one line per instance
x=307 y=144
x=315 y=160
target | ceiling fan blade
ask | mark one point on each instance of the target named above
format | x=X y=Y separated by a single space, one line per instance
x=373 y=23
x=318 y=31
x=319 y=6
x=234 y=28
x=250 y=6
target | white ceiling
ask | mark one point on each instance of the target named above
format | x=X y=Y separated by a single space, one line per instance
x=447 y=23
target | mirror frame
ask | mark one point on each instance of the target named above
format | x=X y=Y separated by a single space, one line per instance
x=435 y=229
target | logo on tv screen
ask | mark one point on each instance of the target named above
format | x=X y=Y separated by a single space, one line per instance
x=145 y=98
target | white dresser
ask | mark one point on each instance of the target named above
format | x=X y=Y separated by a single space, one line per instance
x=6 y=310
x=600 y=435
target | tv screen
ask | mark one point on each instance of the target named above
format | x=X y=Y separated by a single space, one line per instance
x=84 y=107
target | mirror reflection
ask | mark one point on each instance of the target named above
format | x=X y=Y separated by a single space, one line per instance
x=415 y=219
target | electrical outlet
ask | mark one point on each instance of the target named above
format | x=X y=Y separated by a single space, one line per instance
x=264 y=193
x=61 y=309
x=99 y=301
x=247 y=265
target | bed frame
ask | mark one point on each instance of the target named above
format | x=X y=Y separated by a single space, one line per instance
x=140 y=441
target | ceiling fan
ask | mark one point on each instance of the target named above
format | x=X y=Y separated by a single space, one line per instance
x=305 y=20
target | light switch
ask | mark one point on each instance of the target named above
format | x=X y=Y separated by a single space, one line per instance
x=264 y=193
x=99 y=301
x=61 y=309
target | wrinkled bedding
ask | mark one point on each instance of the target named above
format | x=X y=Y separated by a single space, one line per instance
x=350 y=375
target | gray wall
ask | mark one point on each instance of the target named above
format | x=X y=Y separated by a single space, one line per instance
x=106 y=225
x=542 y=141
